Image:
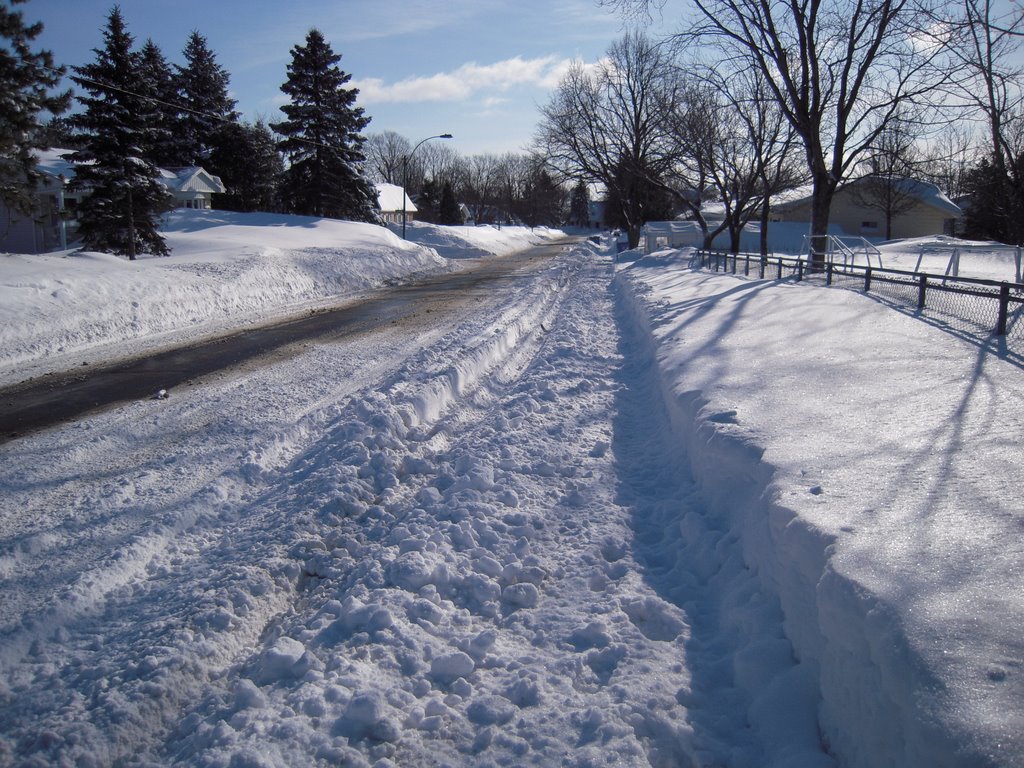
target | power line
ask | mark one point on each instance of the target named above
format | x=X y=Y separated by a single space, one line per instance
x=63 y=72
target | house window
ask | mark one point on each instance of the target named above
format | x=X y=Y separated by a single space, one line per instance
x=869 y=225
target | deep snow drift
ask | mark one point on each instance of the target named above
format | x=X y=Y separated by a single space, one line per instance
x=654 y=517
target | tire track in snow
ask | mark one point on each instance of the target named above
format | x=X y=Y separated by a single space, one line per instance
x=202 y=590
x=472 y=599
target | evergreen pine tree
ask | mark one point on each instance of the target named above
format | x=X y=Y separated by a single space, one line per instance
x=250 y=166
x=579 y=206
x=57 y=133
x=203 y=90
x=427 y=202
x=543 y=202
x=322 y=137
x=996 y=207
x=449 y=212
x=25 y=78
x=122 y=213
x=164 y=145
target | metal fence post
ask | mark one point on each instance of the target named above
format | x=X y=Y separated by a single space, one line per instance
x=867 y=279
x=922 y=287
x=799 y=270
x=780 y=268
x=1004 y=308
x=828 y=273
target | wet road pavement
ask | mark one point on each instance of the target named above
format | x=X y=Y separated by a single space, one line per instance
x=48 y=400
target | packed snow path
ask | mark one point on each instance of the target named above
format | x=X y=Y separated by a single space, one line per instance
x=477 y=545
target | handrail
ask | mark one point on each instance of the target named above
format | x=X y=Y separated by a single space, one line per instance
x=838 y=244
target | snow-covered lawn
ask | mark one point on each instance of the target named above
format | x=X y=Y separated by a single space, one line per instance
x=618 y=515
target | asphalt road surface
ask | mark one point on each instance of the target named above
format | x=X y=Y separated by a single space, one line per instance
x=48 y=400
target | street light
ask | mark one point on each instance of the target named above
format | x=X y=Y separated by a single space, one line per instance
x=405 y=173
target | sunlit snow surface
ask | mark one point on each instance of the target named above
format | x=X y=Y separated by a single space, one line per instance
x=623 y=515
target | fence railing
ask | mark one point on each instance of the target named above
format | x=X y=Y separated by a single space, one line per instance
x=974 y=304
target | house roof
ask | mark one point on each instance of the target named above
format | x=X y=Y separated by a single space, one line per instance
x=670 y=228
x=925 y=192
x=192 y=179
x=52 y=163
x=389 y=198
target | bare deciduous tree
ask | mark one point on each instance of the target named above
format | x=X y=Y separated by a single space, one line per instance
x=747 y=147
x=609 y=124
x=890 y=185
x=986 y=45
x=481 y=186
x=385 y=153
x=948 y=158
x=839 y=69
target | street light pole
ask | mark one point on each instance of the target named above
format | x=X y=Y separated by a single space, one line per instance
x=405 y=173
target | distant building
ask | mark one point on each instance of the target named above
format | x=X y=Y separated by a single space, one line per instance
x=656 y=235
x=54 y=226
x=389 y=198
x=191 y=187
x=927 y=211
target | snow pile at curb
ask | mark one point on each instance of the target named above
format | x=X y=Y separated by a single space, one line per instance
x=472 y=242
x=910 y=670
x=225 y=269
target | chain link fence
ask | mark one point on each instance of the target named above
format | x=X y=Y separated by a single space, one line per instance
x=972 y=306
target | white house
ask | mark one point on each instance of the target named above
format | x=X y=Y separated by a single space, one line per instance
x=656 y=235
x=191 y=187
x=390 y=198
x=54 y=225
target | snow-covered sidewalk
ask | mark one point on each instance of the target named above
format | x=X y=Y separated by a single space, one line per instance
x=871 y=466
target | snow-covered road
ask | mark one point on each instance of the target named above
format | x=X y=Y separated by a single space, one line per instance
x=604 y=514
x=459 y=546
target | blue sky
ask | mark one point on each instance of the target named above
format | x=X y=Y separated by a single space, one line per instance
x=475 y=68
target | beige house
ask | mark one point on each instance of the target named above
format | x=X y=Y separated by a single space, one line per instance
x=918 y=209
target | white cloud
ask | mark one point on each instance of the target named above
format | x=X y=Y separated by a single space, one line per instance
x=466 y=81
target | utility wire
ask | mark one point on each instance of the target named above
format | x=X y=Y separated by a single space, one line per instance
x=63 y=72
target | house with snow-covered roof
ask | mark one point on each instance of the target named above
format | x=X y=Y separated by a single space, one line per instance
x=191 y=187
x=390 y=198
x=54 y=224
x=879 y=208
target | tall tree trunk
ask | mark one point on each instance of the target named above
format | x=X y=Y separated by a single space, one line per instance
x=765 y=211
x=821 y=205
x=633 y=231
x=131 y=226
